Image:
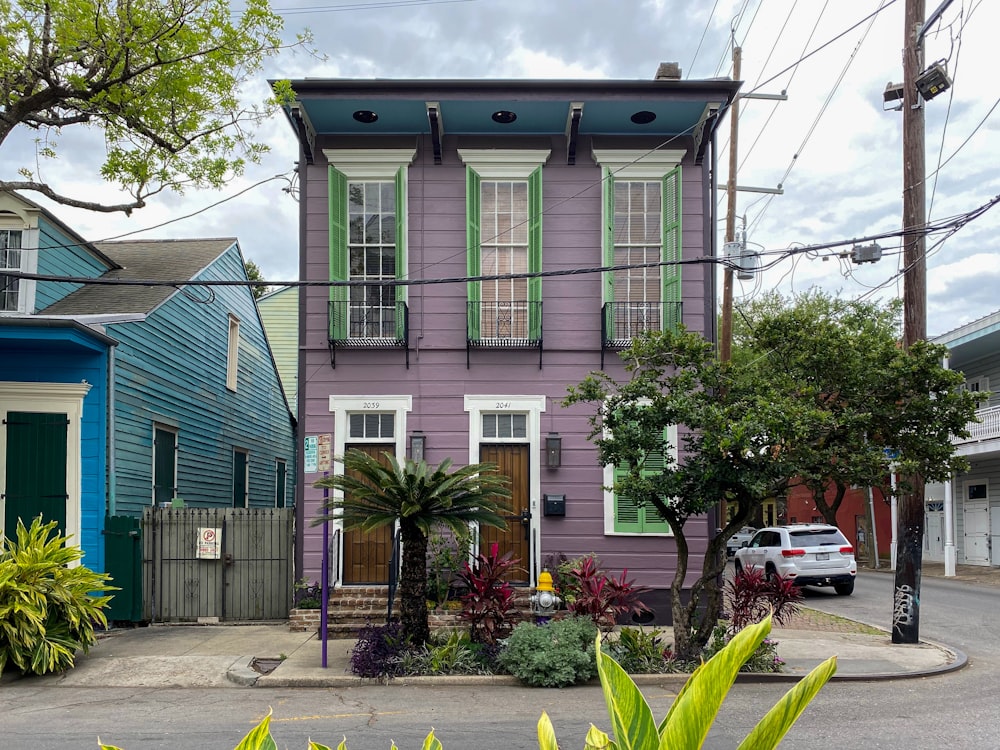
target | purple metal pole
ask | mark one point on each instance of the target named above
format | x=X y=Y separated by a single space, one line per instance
x=325 y=578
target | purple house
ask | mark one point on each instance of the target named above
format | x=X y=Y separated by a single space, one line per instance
x=497 y=203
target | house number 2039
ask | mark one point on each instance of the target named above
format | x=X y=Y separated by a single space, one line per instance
x=370 y=405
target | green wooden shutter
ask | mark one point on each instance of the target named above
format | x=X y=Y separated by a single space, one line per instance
x=473 y=201
x=339 y=252
x=608 y=230
x=671 y=274
x=652 y=521
x=401 y=269
x=535 y=253
x=628 y=515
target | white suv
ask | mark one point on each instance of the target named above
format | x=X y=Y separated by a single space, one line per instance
x=811 y=554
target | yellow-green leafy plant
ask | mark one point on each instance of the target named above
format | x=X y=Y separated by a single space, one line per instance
x=690 y=717
x=49 y=607
x=686 y=724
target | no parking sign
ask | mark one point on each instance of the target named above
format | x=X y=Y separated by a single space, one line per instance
x=209 y=544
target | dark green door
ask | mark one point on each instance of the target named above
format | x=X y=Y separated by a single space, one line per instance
x=36 y=469
x=240 y=479
x=164 y=466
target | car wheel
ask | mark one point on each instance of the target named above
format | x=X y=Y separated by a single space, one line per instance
x=844 y=589
x=770 y=573
x=739 y=567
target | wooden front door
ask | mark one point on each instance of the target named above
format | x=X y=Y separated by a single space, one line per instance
x=36 y=470
x=367 y=555
x=512 y=462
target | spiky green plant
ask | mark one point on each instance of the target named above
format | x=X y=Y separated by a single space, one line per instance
x=376 y=493
x=49 y=607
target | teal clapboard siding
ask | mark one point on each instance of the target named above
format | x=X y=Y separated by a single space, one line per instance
x=61 y=254
x=170 y=370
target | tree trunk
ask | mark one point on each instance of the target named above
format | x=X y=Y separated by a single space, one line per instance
x=413 y=584
x=829 y=511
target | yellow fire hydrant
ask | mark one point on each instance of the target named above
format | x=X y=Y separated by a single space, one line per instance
x=545 y=601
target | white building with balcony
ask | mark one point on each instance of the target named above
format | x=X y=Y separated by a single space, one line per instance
x=963 y=515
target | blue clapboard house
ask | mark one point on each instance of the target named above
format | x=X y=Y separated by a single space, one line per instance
x=115 y=397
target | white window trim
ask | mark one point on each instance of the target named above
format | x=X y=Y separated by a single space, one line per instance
x=359 y=164
x=29 y=264
x=50 y=398
x=638 y=164
x=609 y=494
x=971 y=483
x=503 y=164
x=534 y=407
x=233 y=353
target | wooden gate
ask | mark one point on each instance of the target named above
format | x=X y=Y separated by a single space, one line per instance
x=367 y=554
x=217 y=564
x=512 y=462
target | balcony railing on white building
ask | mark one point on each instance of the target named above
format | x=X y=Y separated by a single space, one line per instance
x=987 y=428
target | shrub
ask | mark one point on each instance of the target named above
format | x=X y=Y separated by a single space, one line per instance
x=603 y=598
x=457 y=654
x=447 y=552
x=750 y=596
x=686 y=724
x=488 y=604
x=378 y=651
x=307 y=595
x=641 y=652
x=764 y=660
x=48 y=610
x=556 y=654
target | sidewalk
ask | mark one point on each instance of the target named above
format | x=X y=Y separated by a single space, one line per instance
x=272 y=656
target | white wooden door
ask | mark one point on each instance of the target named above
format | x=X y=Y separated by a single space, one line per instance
x=995 y=535
x=934 y=536
x=977 y=537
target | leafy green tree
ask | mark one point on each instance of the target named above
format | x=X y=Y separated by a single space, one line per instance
x=375 y=494
x=254 y=274
x=735 y=432
x=843 y=356
x=162 y=80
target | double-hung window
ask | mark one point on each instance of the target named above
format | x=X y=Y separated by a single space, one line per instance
x=504 y=236
x=622 y=514
x=10 y=260
x=641 y=223
x=367 y=204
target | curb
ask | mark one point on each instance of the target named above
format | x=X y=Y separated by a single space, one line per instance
x=242 y=673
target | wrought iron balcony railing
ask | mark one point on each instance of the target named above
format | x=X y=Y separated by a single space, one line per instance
x=514 y=324
x=623 y=321
x=363 y=325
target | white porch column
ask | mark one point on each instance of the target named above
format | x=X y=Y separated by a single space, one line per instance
x=950 y=553
x=894 y=521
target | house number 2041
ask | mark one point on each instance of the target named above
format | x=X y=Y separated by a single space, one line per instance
x=503 y=405
x=370 y=405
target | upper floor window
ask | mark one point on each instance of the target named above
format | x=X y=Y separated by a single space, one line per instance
x=233 y=353
x=642 y=230
x=367 y=193
x=504 y=238
x=10 y=260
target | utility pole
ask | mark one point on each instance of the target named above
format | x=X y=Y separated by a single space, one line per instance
x=726 y=335
x=910 y=535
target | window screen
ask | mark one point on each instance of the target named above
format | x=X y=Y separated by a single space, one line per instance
x=371 y=426
x=505 y=425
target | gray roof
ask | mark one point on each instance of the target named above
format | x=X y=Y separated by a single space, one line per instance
x=141 y=260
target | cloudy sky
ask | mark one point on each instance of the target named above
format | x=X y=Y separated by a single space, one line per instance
x=834 y=150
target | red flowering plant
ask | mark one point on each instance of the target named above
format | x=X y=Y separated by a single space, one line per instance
x=488 y=603
x=604 y=598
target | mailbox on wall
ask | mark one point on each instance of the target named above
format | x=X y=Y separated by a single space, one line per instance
x=555 y=505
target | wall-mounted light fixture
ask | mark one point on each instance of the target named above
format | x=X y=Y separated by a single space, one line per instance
x=553 y=450
x=418 y=443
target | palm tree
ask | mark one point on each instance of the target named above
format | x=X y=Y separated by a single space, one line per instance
x=376 y=495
